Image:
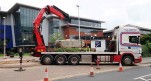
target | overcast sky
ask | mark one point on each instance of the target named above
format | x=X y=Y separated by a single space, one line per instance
x=113 y=12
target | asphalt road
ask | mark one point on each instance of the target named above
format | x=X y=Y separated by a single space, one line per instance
x=37 y=73
x=133 y=74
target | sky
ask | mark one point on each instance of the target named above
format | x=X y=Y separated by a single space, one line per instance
x=113 y=12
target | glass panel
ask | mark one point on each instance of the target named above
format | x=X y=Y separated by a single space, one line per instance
x=133 y=39
x=23 y=25
x=74 y=21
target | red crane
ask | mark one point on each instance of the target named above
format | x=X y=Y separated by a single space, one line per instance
x=40 y=46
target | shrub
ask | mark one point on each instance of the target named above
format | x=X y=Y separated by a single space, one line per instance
x=146 y=51
x=67 y=50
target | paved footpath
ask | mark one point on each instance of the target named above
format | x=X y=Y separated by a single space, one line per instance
x=28 y=61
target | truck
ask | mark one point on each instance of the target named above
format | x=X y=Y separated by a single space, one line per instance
x=124 y=47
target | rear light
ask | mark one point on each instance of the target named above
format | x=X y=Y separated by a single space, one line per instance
x=40 y=50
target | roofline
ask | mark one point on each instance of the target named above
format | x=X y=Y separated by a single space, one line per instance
x=19 y=4
x=82 y=26
x=16 y=5
x=140 y=28
x=53 y=16
x=88 y=19
x=3 y=11
x=109 y=31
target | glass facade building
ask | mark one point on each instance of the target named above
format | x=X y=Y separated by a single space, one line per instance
x=89 y=29
x=21 y=17
x=24 y=17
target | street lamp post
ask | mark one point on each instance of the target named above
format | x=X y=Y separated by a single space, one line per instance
x=24 y=46
x=79 y=21
x=4 y=38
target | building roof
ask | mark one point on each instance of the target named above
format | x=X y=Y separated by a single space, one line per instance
x=73 y=17
x=140 y=28
x=83 y=26
x=87 y=19
x=109 y=31
x=3 y=13
x=17 y=5
x=130 y=25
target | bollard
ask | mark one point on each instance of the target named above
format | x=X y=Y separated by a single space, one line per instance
x=21 y=57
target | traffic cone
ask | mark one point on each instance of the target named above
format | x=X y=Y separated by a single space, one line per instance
x=46 y=76
x=120 y=67
x=91 y=71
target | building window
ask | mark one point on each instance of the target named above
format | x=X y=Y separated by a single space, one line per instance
x=74 y=21
x=86 y=23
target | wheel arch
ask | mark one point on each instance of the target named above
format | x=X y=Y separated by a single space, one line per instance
x=128 y=54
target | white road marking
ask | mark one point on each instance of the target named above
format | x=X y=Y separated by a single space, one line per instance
x=143 y=77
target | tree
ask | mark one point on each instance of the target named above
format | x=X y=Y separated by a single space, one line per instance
x=56 y=36
x=146 y=45
x=145 y=39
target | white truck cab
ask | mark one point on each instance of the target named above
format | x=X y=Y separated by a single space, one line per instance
x=128 y=43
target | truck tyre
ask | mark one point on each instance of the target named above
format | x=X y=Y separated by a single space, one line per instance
x=74 y=59
x=47 y=59
x=60 y=59
x=127 y=60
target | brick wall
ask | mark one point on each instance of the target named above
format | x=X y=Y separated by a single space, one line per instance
x=72 y=31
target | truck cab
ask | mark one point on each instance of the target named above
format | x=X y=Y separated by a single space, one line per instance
x=128 y=44
x=124 y=46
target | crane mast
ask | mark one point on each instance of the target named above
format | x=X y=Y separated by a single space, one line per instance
x=38 y=38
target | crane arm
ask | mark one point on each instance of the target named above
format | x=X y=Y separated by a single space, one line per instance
x=40 y=46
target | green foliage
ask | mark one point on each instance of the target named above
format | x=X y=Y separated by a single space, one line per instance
x=71 y=49
x=1 y=55
x=67 y=49
x=146 y=51
x=146 y=45
x=60 y=49
x=145 y=39
x=56 y=36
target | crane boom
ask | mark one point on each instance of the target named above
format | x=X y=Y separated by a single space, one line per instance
x=40 y=46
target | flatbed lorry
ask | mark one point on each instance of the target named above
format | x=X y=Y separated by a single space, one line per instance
x=124 y=47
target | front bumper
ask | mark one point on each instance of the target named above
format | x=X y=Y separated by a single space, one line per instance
x=138 y=60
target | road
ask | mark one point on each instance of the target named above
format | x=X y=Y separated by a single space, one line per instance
x=37 y=73
x=133 y=74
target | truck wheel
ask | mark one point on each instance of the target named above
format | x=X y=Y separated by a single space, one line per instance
x=74 y=59
x=60 y=59
x=47 y=59
x=127 y=60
